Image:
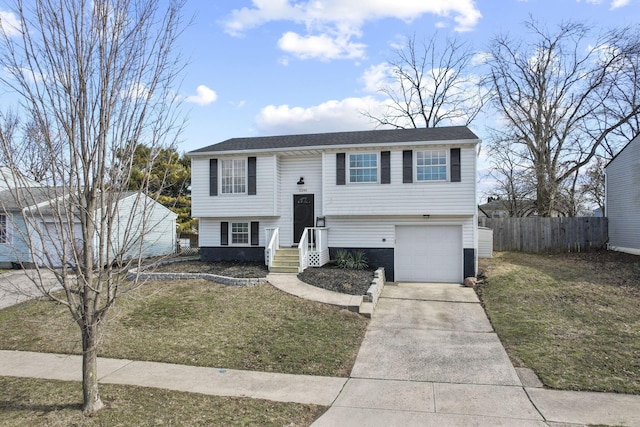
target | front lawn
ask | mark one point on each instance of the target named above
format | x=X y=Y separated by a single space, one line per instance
x=33 y=402
x=200 y=323
x=572 y=318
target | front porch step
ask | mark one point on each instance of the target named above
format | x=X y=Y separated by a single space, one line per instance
x=286 y=260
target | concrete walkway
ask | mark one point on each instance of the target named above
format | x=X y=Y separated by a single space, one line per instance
x=290 y=284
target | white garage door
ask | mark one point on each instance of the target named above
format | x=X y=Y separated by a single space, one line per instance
x=429 y=253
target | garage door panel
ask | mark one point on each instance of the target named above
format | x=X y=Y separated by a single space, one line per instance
x=429 y=253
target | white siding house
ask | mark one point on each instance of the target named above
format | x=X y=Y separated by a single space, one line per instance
x=622 y=208
x=407 y=198
x=33 y=235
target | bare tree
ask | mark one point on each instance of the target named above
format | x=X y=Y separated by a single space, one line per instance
x=562 y=97
x=593 y=185
x=93 y=79
x=431 y=85
x=512 y=179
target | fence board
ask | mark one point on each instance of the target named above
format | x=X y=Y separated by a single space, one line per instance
x=537 y=234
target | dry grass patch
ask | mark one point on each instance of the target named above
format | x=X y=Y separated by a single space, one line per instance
x=203 y=324
x=573 y=318
x=31 y=402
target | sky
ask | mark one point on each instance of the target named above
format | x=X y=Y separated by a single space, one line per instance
x=272 y=67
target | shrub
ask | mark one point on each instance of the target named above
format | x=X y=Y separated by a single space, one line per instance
x=356 y=261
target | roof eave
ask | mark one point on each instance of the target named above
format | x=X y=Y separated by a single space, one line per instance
x=335 y=147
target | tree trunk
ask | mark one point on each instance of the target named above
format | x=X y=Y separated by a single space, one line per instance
x=91 y=402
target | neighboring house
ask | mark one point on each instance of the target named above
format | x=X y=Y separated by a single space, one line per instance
x=404 y=197
x=31 y=235
x=622 y=198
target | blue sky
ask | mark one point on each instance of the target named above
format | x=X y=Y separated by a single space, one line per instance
x=270 y=67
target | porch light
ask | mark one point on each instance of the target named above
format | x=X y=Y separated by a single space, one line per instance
x=301 y=180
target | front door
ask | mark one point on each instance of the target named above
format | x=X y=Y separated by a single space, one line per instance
x=302 y=214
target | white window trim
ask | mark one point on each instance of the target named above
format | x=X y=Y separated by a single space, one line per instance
x=221 y=176
x=248 y=233
x=7 y=230
x=447 y=166
x=348 y=168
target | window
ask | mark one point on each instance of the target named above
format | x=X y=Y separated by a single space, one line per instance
x=234 y=176
x=431 y=165
x=363 y=167
x=4 y=234
x=239 y=233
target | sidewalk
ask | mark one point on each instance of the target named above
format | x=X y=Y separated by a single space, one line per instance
x=212 y=381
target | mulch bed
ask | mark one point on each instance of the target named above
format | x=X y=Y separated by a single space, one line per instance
x=225 y=268
x=346 y=281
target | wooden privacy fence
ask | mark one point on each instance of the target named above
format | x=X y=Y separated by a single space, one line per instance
x=537 y=234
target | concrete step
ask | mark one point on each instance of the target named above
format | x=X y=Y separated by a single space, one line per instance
x=275 y=269
x=278 y=263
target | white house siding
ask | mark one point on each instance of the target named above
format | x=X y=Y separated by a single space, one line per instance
x=426 y=198
x=379 y=232
x=263 y=203
x=145 y=227
x=623 y=199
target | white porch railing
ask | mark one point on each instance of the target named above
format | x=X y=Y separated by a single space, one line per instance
x=313 y=249
x=273 y=243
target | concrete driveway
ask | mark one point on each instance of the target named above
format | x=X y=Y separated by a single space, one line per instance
x=431 y=357
x=18 y=286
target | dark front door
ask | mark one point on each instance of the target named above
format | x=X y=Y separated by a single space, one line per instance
x=302 y=214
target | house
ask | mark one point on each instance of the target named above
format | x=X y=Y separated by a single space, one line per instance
x=406 y=198
x=31 y=234
x=622 y=198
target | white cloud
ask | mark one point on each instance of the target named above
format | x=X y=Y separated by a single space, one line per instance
x=323 y=47
x=136 y=90
x=332 y=24
x=376 y=77
x=615 y=4
x=330 y=116
x=9 y=23
x=204 y=96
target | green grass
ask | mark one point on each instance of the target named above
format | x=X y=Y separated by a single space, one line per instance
x=31 y=402
x=574 y=318
x=203 y=324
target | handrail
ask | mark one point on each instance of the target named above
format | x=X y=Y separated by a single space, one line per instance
x=312 y=239
x=273 y=237
x=303 y=250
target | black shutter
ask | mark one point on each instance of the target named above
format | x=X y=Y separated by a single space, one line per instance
x=340 y=168
x=213 y=177
x=255 y=238
x=455 y=164
x=385 y=167
x=251 y=167
x=224 y=233
x=407 y=166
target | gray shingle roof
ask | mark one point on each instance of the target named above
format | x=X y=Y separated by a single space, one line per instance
x=342 y=138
